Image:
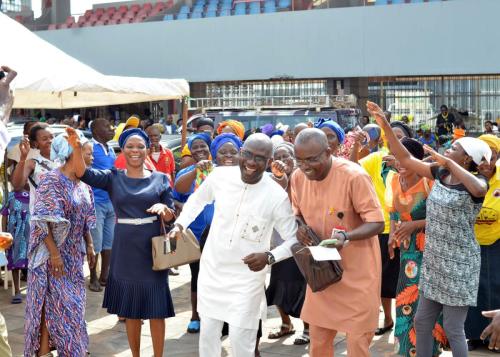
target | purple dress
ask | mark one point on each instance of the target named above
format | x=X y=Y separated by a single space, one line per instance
x=68 y=206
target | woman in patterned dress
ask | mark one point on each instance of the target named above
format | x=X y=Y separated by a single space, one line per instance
x=63 y=214
x=450 y=267
x=406 y=196
x=16 y=221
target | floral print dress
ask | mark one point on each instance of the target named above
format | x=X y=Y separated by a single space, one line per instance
x=407 y=206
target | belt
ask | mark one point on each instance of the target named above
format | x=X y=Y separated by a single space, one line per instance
x=136 y=221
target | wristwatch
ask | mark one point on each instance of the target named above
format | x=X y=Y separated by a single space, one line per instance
x=270 y=258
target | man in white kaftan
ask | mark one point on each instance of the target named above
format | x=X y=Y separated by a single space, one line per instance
x=231 y=286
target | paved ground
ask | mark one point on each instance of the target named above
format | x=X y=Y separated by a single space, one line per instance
x=108 y=337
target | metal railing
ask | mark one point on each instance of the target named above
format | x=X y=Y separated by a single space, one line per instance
x=256 y=102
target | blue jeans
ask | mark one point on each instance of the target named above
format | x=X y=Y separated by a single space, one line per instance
x=102 y=234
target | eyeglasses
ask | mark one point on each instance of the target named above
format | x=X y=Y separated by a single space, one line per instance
x=311 y=160
x=247 y=155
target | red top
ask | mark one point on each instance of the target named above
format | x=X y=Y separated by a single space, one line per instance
x=165 y=163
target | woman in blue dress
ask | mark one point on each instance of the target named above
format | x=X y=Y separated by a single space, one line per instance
x=140 y=199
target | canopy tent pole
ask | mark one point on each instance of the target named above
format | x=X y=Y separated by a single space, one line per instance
x=185 y=103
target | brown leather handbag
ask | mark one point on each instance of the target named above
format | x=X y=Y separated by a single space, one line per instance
x=169 y=253
x=318 y=274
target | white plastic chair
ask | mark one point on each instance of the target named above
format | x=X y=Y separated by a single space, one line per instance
x=8 y=274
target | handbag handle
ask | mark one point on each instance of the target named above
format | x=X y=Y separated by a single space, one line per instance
x=163 y=230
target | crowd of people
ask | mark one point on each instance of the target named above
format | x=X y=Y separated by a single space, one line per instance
x=410 y=224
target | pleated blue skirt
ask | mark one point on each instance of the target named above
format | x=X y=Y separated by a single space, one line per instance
x=134 y=290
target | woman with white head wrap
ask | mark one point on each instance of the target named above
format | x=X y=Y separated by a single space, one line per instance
x=449 y=278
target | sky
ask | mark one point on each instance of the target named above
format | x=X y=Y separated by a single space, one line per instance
x=78 y=7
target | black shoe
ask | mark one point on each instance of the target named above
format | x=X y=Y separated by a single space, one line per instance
x=473 y=344
x=382 y=330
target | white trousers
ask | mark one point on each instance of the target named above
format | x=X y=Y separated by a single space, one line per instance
x=242 y=340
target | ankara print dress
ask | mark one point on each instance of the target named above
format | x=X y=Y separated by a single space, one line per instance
x=404 y=207
x=68 y=207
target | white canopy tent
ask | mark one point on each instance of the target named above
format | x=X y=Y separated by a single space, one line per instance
x=51 y=79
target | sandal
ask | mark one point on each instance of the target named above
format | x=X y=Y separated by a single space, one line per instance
x=382 y=330
x=194 y=326
x=303 y=339
x=284 y=330
x=17 y=299
x=95 y=286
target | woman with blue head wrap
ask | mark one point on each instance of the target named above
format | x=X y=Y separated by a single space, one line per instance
x=134 y=141
x=334 y=133
x=186 y=182
x=225 y=148
x=143 y=201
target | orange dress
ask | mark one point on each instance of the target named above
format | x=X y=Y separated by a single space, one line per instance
x=347 y=198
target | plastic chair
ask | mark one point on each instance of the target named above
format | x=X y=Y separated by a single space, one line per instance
x=88 y=13
x=397 y=2
x=184 y=10
x=8 y=274
x=269 y=10
x=381 y=2
x=225 y=12
x=123 y=9
x=135 y=7
x=254 y=11
x=212 y=7
x=111 y=10
x=196 y=15
x=168 y=17
x=183 y=16
x=211 y=14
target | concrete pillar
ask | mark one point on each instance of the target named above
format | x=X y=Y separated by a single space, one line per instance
x=61 y=9
x=358 y=87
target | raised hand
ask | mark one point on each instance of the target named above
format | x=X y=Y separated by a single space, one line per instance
x=438 y=158
x=278 y=168
x=73 y=138
x=376 y=112
x=204 y=165
x=24 y=147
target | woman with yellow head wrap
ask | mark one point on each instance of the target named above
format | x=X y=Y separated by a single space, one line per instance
x=487 y=230
x=232 y=126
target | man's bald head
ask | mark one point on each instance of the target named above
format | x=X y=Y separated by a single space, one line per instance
x=312 y=135
x=255 y=157
x=299 y=127
x=259 y=141
x=312 y=154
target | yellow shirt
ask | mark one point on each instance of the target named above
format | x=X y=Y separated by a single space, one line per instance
x=373 y=166
x=487 y=226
